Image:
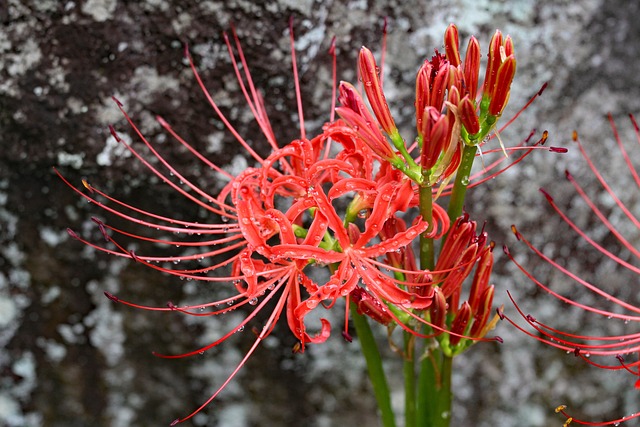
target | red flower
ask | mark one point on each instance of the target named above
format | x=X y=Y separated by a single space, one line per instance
x=625 y=347
x=249 y=219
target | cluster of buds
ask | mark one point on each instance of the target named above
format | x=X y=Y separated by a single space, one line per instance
x=465 y=322
x=448 y=111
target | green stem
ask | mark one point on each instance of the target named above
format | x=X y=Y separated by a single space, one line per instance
x=434 y=390
x=427 y=393
x=443 y=412
x=409 y=381
x=462 y=181
x=374 y=366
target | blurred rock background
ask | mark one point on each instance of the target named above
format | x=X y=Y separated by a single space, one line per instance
x=70 y=357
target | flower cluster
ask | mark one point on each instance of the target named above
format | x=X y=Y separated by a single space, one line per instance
x=623 y=347
x=448 y=113
x=353 y=199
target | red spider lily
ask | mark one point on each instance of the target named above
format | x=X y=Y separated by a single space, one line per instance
x=624 y=347
x=246 y=206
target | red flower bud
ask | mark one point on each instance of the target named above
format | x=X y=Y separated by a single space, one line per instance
x=436 y=137
x=460 y=323
x=438 y=309
x=356 y=114
x=482 y=312
x=369 y=72
x=468 y=116
x=451 y=45
x=472 y=67
x=500 y=94
x=493 y=64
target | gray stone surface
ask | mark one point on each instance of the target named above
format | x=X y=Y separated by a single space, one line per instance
x=70 y=357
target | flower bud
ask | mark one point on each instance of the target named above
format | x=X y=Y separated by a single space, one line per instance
x=355 y=113
x=468 y=116
x=493 y=64
x=372 y=87
x=438 y=309
x=500 y=94
x=472 y=67
x=451 y=45
x=482 y=312
x=367 y=305
x=436 y=139
x=460 y=323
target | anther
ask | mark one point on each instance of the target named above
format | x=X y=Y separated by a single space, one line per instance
x=545 y=136
x=546 y=195
x=544 y=86
x=87 y=186
x=558 y=150
x=73 y=234
x=515 y=231
x=133 y=256
x=111 y=297
x=117 y=102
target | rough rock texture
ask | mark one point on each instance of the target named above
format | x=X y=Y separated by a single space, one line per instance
x=70 y=357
